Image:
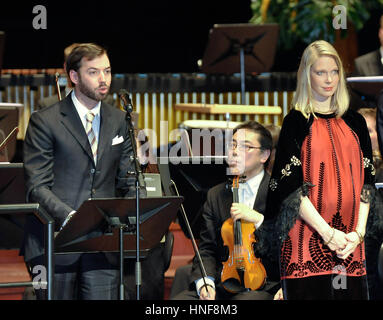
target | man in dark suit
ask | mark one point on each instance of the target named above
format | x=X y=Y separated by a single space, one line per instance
x=367 y=65
x=248 y=155
x=70 y=156
x=370 y=64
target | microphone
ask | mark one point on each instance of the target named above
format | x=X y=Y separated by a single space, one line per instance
x=125 y=98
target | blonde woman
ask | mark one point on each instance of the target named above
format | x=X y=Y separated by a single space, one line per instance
x=320 y=185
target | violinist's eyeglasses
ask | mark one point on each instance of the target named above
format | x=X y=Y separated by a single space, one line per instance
x=242 y=147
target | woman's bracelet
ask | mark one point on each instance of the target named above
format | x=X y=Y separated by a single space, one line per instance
x=332 y=236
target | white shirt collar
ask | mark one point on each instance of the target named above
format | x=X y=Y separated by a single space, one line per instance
x=381 y=54
x=82 y=110
x=255 y=181
x=68 y=90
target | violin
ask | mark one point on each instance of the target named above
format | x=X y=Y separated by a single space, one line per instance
x=242 y=270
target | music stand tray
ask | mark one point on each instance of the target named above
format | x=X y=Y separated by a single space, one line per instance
x=88 y=230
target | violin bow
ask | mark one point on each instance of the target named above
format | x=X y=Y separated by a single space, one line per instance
x=201 y=266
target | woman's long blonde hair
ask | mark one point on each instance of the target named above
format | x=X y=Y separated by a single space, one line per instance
x=303 y=98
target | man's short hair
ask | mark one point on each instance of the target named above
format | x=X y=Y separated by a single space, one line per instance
x=265 y=138
x=88 y=51
x=69 y=49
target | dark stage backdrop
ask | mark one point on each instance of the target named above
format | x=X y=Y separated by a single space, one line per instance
x=142 y=36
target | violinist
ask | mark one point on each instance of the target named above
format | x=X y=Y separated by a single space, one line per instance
x=248 y=155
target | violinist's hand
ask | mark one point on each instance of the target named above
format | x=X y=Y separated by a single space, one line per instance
x=242 y=211
x=279 y=295
x=204 y=295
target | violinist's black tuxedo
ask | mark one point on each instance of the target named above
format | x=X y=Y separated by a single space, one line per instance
x=216 y=211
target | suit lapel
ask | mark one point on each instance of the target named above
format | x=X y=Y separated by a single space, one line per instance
x=378 y=67
x=106 y=134
x=72 y=122
x=260 y=199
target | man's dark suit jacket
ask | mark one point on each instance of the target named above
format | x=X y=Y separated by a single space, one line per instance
x=216 y=211
x=60 y=172
x=369 y=64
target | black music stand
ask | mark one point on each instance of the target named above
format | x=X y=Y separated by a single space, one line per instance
x=12 y=219
x=193 y=176
x=12 y=191
x=243 y=47
x=368 y=88
x=9 y=119
x=109 y=225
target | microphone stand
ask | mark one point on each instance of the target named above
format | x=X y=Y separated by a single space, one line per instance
x=124 y=96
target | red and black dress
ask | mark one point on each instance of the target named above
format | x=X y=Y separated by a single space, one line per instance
x=327 y=158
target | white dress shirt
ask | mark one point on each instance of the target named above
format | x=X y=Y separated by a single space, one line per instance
x=82 y=111
x=248 y=197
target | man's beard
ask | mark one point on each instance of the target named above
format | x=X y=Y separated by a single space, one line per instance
x=92 y=94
